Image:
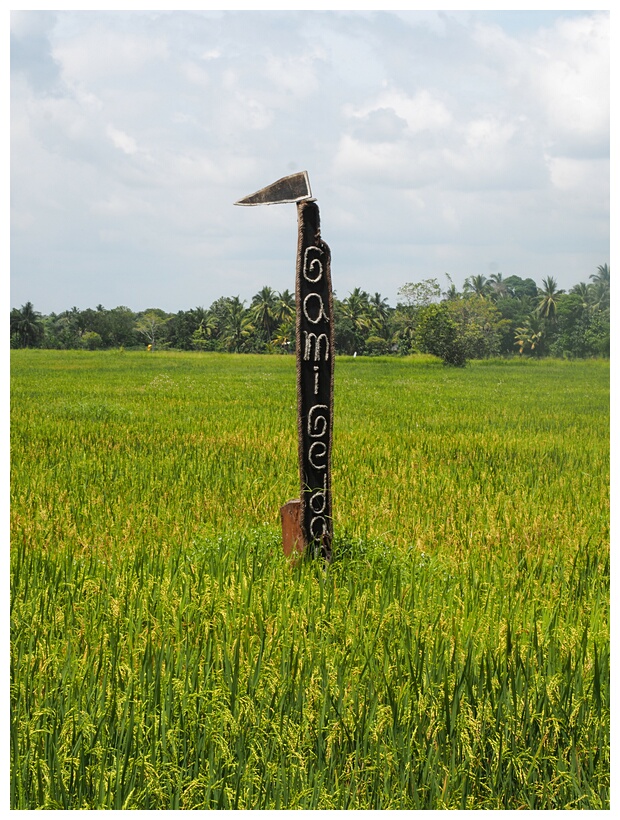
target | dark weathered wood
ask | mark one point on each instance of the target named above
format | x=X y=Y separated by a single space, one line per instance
x=315 y=379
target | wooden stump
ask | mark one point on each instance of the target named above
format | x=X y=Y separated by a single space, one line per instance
x=293 y=540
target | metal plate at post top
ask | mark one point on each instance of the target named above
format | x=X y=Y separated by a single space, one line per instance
x=294 y=188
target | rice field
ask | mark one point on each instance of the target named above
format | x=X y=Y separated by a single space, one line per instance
x=164 y=655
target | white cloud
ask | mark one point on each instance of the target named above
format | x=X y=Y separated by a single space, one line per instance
x=26 y=24
x=380 y=125
x=195 y=73
x=292 y=74
x=101 y=53
x=488 y=134
x=118 y=205
x=580 y=175
x=392 y=164
x=122 y=140
x=560 y=76
x=421 y=112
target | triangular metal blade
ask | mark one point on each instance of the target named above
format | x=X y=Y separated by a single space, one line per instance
x=293 y=188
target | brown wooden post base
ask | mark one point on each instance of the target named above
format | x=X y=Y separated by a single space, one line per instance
x=293 y=540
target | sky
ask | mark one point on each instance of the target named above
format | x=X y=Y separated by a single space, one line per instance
x=458 y=142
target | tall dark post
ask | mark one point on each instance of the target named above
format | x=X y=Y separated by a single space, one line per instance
x=307 y=521
x=315 y=379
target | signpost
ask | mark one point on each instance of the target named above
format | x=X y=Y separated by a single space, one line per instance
x=307 y=521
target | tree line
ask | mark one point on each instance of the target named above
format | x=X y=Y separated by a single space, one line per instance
x=493 y=316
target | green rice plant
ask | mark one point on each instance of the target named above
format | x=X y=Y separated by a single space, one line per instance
x=164 y=654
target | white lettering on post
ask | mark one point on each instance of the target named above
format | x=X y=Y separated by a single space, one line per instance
x=314 y=320
x=322 y=524
x=317 y=424
x=314 y=266
x=312 y=347
x=318 y=499
x=317 y=451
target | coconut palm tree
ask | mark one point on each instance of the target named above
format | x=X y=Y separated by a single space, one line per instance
x=282 y=341
x=529 y=338
x=451 y=293
x=477 y=284
x=263 y=312
x=285 y=305
x=27 y=325
x=379 y=306
x=585 y=293
x=548 y=295
x=404 y=332
x=602 y=275
x=602 y=286
x=497 y=285
x=238 y=326
x=205 y=330
x=356 y=308
x=380 y=314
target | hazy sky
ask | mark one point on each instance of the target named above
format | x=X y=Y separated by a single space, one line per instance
x=459 y=142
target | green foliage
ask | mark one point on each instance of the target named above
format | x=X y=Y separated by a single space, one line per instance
x=263 y=313
x=521 y=288
x=581 y=329
x=458 y=330
x=492 y=317
x=91 y=340
x=530 y=338
x=377 y=346
x=420 y=294
x=237 y=327
x=478 y=285
x=549 y=297
x=63 y=331
x=437 y=332
x=355 y=320
x=516 y=313
x=163 y=654
x=601 y=283
x=26 y=326
x=480 y=324
x=151 y=326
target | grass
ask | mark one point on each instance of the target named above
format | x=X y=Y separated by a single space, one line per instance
x=163 y=655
